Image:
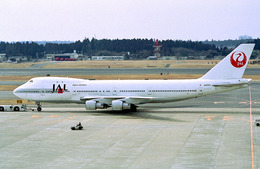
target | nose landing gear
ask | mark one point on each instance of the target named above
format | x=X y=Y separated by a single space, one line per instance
x=39 y=108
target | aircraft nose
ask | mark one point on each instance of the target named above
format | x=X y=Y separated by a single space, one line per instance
x=17 y=92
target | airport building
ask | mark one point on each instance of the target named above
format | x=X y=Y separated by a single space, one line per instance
x=170 y=58
x=2 y=57
x=107 y=57
x=183 y=57
x=63 y=57
x=152 y=58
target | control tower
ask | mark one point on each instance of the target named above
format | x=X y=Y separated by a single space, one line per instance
x=157 y=52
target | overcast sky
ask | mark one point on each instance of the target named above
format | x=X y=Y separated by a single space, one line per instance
x=36 y=20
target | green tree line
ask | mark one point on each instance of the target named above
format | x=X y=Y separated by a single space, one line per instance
x=141 y=48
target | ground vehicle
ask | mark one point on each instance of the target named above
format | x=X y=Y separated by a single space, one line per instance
x=77 y=127
x=257 y=122
x=22 y=107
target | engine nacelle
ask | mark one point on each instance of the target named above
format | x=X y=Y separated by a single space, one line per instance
x=93 y=105
x=120 y=105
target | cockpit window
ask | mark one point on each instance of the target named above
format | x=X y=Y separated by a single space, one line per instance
x=31 y=81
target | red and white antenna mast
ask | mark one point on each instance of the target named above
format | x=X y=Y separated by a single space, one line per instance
x=157 y=52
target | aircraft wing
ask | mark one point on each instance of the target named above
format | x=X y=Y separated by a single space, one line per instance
x=101 y=97
x=128 y=99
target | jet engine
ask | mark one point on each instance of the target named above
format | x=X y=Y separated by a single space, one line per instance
x=93 y=105
x=121 y=105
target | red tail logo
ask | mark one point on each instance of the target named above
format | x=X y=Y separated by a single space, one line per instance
x=238 y=59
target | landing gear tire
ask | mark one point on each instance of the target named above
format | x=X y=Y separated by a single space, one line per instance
x=16 y=109
x=39 y=108
x=2 y=109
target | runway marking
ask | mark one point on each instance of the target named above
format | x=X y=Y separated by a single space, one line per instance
x=54 y=116
x=228 y=102
x=250 y=102
x=50 y=122
x=227 y=118
x=21 y=119
x=209 y=117
x=231 y=98
x=219 y=102
x=242 y=102
x=72 y=117
x=251 y=129
x=37 y=116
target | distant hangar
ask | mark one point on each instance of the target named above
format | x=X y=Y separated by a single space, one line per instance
x=63 y=57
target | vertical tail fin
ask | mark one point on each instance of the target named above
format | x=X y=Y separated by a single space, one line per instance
x=233 y=65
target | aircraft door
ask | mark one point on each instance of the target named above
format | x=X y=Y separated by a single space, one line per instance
x=200 y=90
x=114 y=91
x=149 y=92
x=42 y=90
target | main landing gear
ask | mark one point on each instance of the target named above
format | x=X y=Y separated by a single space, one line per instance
x=39 y=108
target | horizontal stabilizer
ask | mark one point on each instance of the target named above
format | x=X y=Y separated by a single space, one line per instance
x=231 y=84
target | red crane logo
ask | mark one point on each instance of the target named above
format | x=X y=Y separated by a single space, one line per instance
x=238 y=59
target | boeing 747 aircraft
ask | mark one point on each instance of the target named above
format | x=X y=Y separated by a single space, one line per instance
x=128 y=94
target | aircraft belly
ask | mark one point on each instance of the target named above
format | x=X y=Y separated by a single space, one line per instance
x=53 y=97
x=173 y=99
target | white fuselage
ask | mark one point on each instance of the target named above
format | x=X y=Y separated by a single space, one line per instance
x=64 y=90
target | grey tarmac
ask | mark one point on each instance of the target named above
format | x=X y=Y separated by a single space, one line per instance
x=207 y=132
